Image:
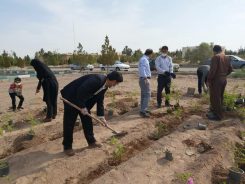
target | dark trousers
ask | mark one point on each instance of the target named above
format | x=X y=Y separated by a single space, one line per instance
x=50 y=89
x=163 y=82
x=70 y=116
x=51 y=108
x=217 y=89
x=12 y=96
x=199 y=76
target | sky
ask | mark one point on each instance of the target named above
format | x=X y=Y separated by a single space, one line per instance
x=59 y=25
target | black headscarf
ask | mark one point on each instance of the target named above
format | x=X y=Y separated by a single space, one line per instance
x=43 y=71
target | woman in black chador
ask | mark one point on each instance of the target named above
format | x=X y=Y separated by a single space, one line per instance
x=49 y=84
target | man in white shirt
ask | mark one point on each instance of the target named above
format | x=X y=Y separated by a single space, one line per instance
x=144 y=82
x=164 y=69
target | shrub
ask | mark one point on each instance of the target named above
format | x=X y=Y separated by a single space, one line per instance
x=118 y=152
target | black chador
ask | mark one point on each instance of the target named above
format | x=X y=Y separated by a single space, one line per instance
x=49 y=84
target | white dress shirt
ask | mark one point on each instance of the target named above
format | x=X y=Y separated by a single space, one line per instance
x=164 y=64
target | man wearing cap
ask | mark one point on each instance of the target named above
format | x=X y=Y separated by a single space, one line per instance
x=164 y=69
x=85 y=92
x=219 y=69
x=144 y=82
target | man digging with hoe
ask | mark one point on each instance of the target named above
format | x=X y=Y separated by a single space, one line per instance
x=85 y=92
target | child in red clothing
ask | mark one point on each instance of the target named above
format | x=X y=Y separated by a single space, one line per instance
x=15 y=89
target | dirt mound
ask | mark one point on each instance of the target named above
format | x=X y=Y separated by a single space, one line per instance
x=122 y=106
x=131 y=149
x=219 y=175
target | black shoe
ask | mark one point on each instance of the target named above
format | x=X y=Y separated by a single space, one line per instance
x=144 y=115
x=69 y=152
x=12 y=108
x=47 y=120
x=53 y=117
x=19 y=108
x=94 y=145
x=213 y=117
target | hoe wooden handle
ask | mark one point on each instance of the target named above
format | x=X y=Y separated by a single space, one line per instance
x=96 y=119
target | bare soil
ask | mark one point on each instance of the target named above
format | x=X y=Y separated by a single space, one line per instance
x=205 y=155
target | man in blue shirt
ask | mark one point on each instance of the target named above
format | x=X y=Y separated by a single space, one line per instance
x=144 y=82
x=164 y=69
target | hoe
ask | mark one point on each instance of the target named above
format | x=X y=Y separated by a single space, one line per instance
x=117 y=134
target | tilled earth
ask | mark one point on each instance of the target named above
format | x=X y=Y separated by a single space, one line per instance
x=134 y=158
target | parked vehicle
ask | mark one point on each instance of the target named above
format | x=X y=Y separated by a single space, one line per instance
x=118 y=66
x=81 y=67
x=236 y=62
x=153 y=66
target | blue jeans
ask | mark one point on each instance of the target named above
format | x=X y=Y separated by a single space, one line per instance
x=145 y=95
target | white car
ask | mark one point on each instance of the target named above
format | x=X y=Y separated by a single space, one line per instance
x=118 y=66
x=79 y=67
x=89 y=67
x=176 y=67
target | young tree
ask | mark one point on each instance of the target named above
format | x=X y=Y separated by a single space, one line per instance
x=27 y=59
x=204 y=51
x=80 y=49
x=7 y=60
x=108 y=54
x=137 y=54
x=20 y=62
x=127 y=51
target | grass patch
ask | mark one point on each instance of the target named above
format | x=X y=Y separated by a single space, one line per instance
x=183 y=177
x=238 y=74
x=113 y=140
x=240 y=156
x=161 y=130
x=229 y=100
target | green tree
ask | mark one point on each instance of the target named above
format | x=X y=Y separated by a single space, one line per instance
x=20 y=62
x=204 y=51
x=136 y=55
x=80 y=49
x=199 y=54
x=125 y=58
x=108 y=54
x=27 y=59
x=7 y=59
x=127 y=51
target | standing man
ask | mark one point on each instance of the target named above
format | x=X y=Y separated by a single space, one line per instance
x=202 y=75
x=144 y=82
x=85 y=92
x=164 y=69
x=49 y=83
x=219 y=69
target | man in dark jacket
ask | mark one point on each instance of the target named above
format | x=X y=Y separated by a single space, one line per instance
x=50 y=85
x=219 y=69
x=85 y=92
x=202 y=75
